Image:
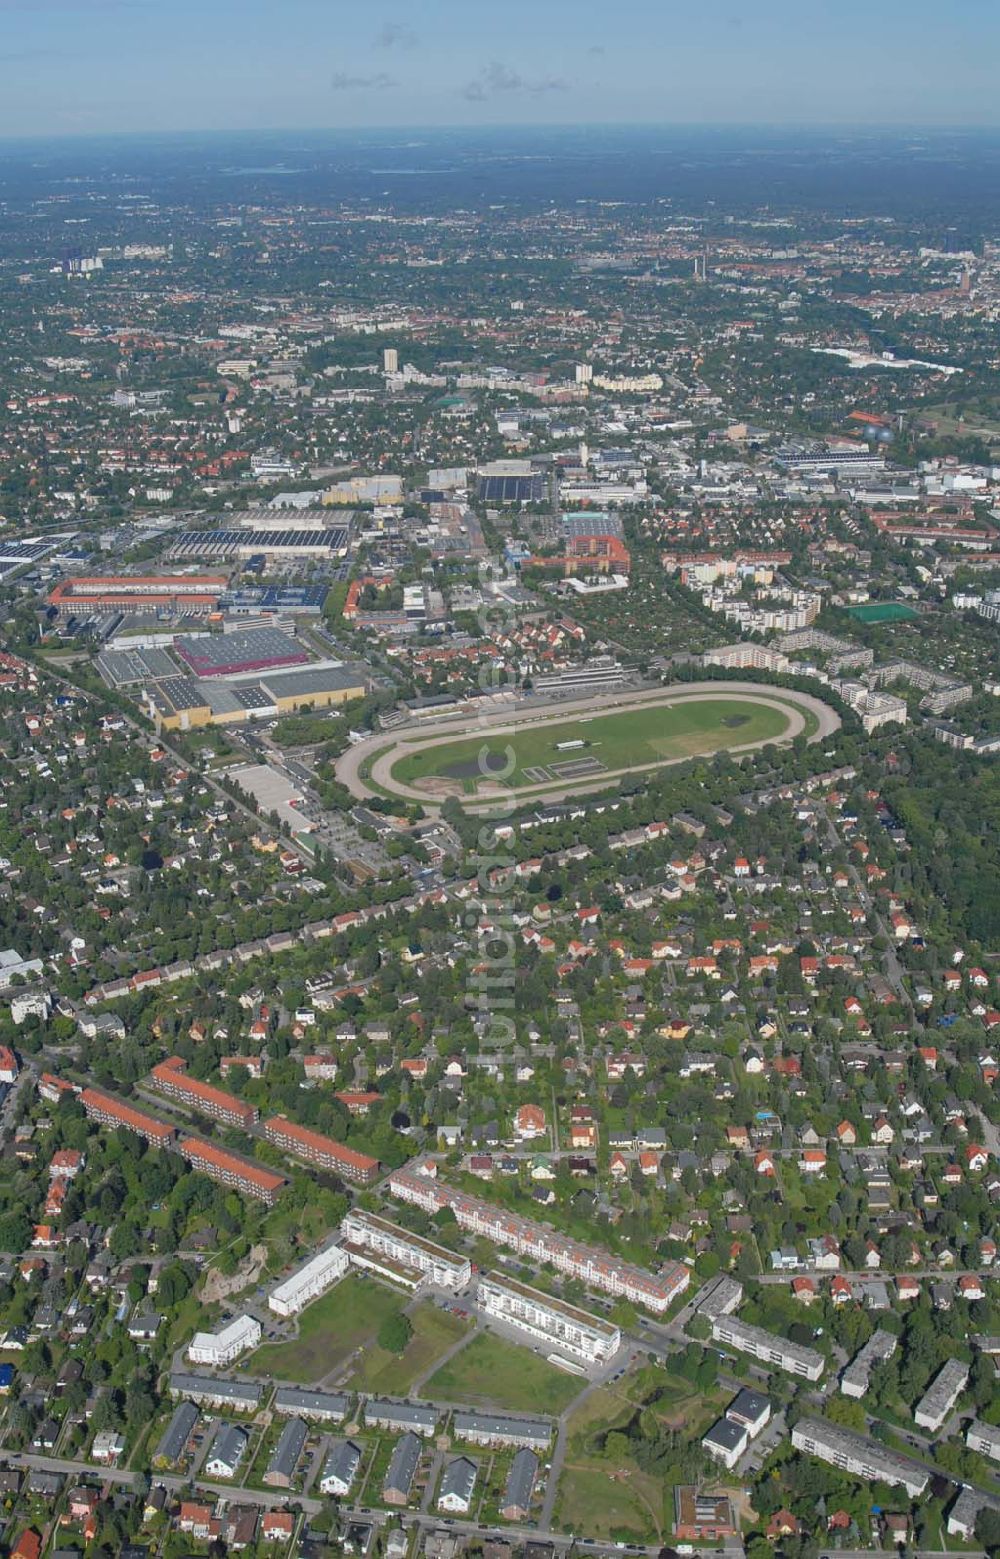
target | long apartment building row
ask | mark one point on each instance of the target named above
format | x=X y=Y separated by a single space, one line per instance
x=244 y=952
x=768 y=1347
x=323 y=1151
x=310 y=1280
x=550 y=1321
x=219 y=1164
x=937 y=1402
x=594 y=1267
x=375 y=1242
x=859 y=1456
x=171 y=1077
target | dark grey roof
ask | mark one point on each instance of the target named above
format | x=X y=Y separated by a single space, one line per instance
x=520 y=1481
x=342 y=1464
x=533 y=1431
x=285 y=1456
x=414 y=1414
x=229 y=1444
x=311 y=1404
x=459 y=1480
x=403 y=1466
x=177 y=1432
x=207 y=1387
x=726 y=1434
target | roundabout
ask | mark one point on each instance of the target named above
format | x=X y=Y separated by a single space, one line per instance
x=550 y=751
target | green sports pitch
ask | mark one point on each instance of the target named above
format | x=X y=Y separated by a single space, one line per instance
x=565 y=750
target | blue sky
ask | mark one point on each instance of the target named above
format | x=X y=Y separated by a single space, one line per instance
x=86 y=66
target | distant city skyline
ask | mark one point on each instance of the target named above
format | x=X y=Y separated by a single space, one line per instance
x=72 y=67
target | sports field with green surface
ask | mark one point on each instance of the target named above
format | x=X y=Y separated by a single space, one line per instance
x=493 y=1373
x=632 y=738
x=881 y=612
x=330 y=1330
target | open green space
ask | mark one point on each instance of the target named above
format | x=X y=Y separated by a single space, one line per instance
x=493 y=1373
x=881 y=612
x=630 y=738
x=434 y=1332
x=329 y=1331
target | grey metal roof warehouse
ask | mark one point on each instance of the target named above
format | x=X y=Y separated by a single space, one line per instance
x=300 y=684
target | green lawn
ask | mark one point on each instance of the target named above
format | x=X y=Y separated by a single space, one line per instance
x=603 y=1502
x=330 y=1330
x=434 y=1332
x=646 y=735
x=494 y=1373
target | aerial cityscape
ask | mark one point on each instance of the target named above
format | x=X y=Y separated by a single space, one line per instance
x=499 y=795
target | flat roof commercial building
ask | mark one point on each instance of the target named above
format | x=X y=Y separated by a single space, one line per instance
x=229 y=1169
x=941 y=1395
x=317 y=1149
x=112 y=1112
x=597 y=1268
x=768 y=1347
x=221 y=1348
x=550 y=1321
x=228 y=654
x=859 y=1456
x=369 y=1236
x=880 y=1346
x=313 y=1278
x=171 y=1076
x=92 y=595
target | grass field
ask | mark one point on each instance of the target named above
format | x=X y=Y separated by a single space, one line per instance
x=330 y=1330
x=434 y=1332
x=630 y=739
x=494 y=1373
x=882 y=612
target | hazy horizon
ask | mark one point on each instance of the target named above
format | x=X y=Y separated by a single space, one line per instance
x=73 y=67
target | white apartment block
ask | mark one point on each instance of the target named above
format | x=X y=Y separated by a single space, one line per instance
x=857 y=1455
x=768 y=1347
x=983 y=1438
x=221 y=1348
x=880 y=1346
x=548 y=1320
x=939 y=1399
x=406 y=1258
x=313 y=1278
